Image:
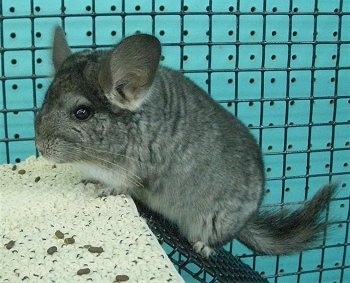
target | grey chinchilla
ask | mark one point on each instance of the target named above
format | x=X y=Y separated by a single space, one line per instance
x=148 y=131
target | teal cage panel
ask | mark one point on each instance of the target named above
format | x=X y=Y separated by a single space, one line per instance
x=283 y=67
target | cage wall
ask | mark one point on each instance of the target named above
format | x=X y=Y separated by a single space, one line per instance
x=282 y=67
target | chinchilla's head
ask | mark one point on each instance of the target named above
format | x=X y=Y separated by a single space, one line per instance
x=93 y=96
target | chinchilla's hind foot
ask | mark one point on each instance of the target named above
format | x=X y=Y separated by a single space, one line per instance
x=202 y=249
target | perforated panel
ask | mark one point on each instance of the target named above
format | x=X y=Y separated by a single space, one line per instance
x=283 y=67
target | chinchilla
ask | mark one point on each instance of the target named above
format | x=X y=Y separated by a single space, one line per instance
x=148 y=131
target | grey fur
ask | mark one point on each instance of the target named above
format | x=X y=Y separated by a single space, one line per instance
x=157 y=136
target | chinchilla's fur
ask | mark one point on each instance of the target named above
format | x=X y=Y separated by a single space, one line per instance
x=146 y=130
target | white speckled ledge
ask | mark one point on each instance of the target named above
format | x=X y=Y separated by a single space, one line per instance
x=37 y=202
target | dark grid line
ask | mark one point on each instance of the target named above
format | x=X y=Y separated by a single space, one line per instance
x=262 y=92
x=336 y=95
x=179 y=256
x=237 y=31
x=187 y=71
x=7 y=149
x=210 y=39
x=216 y=43
x=314 y=46
x=347 y=224
x=182 y=39
x=93 y=16
x=237 y=12
x=33 y=50
x=309 y=128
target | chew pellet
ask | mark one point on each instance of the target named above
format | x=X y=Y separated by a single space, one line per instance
x=69 y=241
x=10 y=244
x=52 y=250
x=121 y=278
x=59 y=234
x=83 y=271
x=95 y=249
x=21 y=171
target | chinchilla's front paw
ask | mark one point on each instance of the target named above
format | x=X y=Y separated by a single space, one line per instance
x=87 y=182
x=106 y=191
x=98 y=189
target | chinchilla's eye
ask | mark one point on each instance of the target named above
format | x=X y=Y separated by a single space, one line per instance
x=83 y=112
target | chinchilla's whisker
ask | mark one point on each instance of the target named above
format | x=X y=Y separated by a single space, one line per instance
x=134 y=179
x=74 y=154
x=116 y=154
x=131 y=176
x=119 y=166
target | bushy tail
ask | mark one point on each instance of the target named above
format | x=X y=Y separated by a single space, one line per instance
x=284 y=231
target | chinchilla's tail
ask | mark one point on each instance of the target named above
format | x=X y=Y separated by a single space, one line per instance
x=284 y=232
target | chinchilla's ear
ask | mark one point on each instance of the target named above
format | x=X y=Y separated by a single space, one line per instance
x=127 y=72
x=60 y=50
